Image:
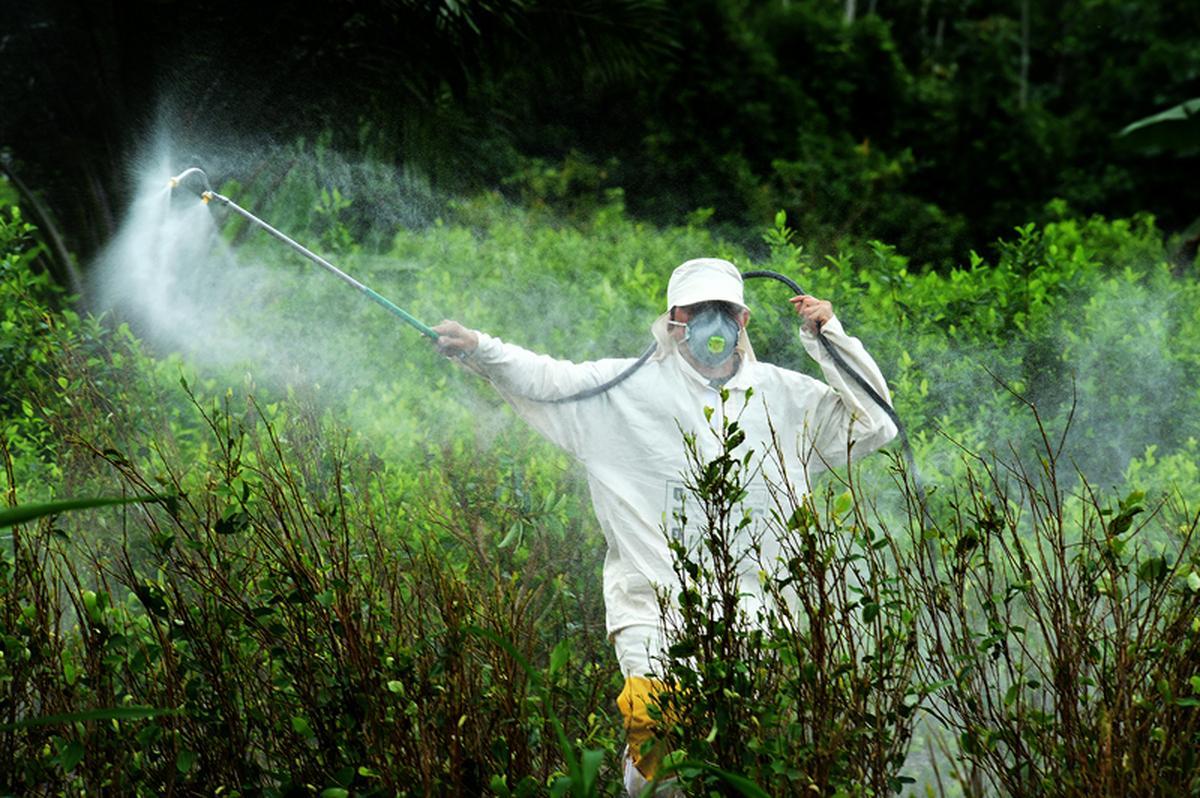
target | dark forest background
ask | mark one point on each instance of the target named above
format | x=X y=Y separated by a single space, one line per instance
x=933 y=125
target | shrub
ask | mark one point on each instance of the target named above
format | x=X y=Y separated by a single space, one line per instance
x=302 y=629
x=814 y=691
x=1060 y=639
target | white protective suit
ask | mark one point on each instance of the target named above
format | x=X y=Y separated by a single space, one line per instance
x=630 y=440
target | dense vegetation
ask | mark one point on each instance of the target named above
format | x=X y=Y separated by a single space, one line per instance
x=935 y=125
x=330 y=562
x=361 y=576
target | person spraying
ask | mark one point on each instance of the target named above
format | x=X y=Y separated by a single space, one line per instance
x=630 y=440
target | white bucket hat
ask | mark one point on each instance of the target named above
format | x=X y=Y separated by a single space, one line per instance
x=705 y=280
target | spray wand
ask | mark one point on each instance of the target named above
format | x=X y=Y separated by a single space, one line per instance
x=195 y=180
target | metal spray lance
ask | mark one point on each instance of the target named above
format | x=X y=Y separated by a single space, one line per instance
x=195 y=180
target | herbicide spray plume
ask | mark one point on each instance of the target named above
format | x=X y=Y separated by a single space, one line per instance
x=141 y=268
x=203 y=280
x=171 y=272
x=200 y=186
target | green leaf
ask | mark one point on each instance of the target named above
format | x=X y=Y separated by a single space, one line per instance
x=71 y=756
x=740 y=783
x=69 y=672
x=335 y=792
x=559 y=656
x=185 y=760
x=1175 y=129
x=28 y=512
x=93 y=605
x=561 y=786
x=933 y=687
x=514 y=535
x=589 y=764
x=1152 y=569
x=301 y=727
x=499 y=786
x=1193 y=581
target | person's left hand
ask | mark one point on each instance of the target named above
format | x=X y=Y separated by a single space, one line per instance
x=815 y=312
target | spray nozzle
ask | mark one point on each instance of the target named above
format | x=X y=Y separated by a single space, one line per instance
x=193 y=180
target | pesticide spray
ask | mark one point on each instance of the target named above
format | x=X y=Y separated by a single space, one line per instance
x=196 y=181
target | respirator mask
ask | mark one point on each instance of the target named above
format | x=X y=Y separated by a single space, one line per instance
x=711 y=334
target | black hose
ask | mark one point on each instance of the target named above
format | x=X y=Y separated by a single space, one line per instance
x=588 y=393
x=846 y=368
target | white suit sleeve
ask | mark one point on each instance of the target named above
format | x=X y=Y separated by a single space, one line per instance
x=846 y=422
x=530 y=382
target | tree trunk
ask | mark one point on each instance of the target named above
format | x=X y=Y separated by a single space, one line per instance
x=1023 y=96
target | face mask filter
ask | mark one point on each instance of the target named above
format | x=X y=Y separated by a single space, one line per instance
x=711 y=336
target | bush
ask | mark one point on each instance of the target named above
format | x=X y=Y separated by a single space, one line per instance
x=302 y=628
x=1060 y=640
x=813 y=692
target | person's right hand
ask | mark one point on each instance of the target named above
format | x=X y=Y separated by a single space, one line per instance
x=455 y=340
x=815 y=312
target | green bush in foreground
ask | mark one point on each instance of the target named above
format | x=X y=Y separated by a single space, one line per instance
x=816 y=692
x=303 y=631
x=1061 y=637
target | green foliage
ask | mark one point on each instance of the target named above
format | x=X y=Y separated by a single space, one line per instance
x=1061 y=634
x=814 y=691
x=302 y=628
x=304 y=611
x=933 y=125
x=24 y=296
